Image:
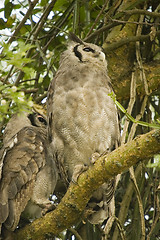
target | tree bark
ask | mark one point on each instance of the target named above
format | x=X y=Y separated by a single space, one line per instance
x=121 y=80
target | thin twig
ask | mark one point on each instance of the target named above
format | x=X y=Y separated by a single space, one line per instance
x=155 y=220
x=31 y=90
x=97 y=18
x=49 y=67
x=41 y=97
x=8 y=74
x=35 y=31
x=102 y=29
x=130 y=105
x=133 y=22
x=20 y=25
x=156 y=107
x=139 y=61
x=109 y=224
x=140 y=203
x=76 y=234
x=121 y=230
x=138 y=117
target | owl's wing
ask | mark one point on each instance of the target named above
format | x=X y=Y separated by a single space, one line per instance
x=20 y=162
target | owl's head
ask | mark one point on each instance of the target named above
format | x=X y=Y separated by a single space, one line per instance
x=85 y=52
x=21 y=120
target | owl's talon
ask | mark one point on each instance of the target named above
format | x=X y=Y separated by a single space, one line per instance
x=78 y=170
x=48 y=208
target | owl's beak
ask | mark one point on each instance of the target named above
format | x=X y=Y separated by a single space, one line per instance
x=102 y=56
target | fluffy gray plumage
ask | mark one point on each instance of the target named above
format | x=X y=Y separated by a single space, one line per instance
x=82 y=117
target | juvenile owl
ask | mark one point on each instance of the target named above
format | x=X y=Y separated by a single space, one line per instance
x=82 y=117
x=27 y=171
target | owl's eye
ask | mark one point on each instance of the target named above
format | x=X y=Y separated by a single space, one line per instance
x=88 y=49
x=41 y=119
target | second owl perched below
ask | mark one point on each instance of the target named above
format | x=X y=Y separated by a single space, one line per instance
x=82 y=117
x=28 y=173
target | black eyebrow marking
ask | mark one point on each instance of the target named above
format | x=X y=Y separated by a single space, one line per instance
x=77 y=53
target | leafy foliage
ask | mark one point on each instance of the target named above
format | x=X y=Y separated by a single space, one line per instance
x=13 y=100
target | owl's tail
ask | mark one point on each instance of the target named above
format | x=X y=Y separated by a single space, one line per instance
x=102 y=203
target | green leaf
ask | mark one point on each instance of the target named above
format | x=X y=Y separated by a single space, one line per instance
x=10 y=21
x=43 y=2
x=2 y=24
x=8 y=9
x=61 y=5
x=13 y=99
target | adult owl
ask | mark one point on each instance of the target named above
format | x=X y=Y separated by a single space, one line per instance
x=82 y=117
x=27 y=171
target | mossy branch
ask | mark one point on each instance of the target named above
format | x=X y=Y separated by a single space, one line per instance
x=70 y=209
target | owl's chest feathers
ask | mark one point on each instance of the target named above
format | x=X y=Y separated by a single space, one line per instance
x=83 y=110
x=81 y=91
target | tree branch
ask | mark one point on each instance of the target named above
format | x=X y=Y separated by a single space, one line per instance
x=110 y=47
x=140 y=11
x=102 y=29
x=74 y=202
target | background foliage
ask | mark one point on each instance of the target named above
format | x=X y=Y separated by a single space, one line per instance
x=33 y=35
